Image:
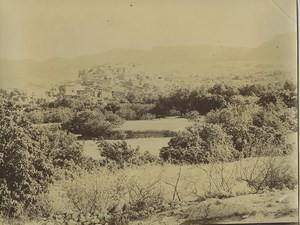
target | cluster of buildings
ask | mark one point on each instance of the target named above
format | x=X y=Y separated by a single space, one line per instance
x=102 y=83
x=111 y=82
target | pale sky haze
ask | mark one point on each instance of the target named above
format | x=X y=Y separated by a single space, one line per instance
x=68 y=28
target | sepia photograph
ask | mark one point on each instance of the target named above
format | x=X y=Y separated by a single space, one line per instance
x=148 y=112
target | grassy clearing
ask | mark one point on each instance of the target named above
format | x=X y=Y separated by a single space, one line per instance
x=171 y=124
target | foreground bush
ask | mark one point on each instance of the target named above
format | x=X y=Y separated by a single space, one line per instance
x=25 y=172
x=270 y=173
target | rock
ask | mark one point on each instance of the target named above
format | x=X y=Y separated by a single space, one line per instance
x=95 y=220
x=71 y=222
x=165 y=206
x=213 y=209
x=87 y=223
x=82 y=219
x=151 y=209
x=49 y=223
x=96 y=212
x=59 y=216
x=74 y=216
x=245 y=216
x=59 y=221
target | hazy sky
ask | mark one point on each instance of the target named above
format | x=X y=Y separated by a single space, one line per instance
x=41 y=29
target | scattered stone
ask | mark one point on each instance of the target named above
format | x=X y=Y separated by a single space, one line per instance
x=217 y=209
x=49 y=223
x=87 y=223
x=165 y=206
x=95 y=220
x=82 y=219
x=245 y=216
x=75 y=216
x=71 y=222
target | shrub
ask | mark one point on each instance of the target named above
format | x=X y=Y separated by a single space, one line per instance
x=36 y=116
x=96 y=192
x=119 y=152
x=199 y=144
x=148 y=116
x=58 y=115
x=123 y=154
x=268 y=173
x=89 y=124
x=63 y=150
x=25 y=172
x=192 y=115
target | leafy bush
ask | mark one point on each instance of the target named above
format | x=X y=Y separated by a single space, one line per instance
x=64 y=150
x=148 y=116
x=58 y=115
x=199 y=144
x=25 y=171
x=192 y=115
x=90 y=124
x=255 y=130
x=123 y=154
x=36 y=116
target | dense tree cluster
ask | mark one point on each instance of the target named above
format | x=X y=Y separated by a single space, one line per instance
x=255 y=122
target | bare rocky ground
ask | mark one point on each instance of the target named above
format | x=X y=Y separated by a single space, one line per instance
x=269 y=206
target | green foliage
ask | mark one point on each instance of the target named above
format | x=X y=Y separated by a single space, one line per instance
x=250 y=90
x=64 y=150
x=127 y=113
x=255 y=130
x=199 y=144
x=91 y=124
x=36 y=116
x=123 y=154
x=58 y=115
x=25 y=171
x=192 y=115
x=182 y=101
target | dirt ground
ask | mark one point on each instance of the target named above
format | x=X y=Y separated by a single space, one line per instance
x=270 y=206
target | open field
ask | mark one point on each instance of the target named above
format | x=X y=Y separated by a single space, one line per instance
x=171 y=124
x=152 y=145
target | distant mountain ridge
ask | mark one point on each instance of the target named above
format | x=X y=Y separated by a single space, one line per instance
x=161 y=59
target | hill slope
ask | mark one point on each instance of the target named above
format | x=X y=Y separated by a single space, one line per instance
x=161 y=59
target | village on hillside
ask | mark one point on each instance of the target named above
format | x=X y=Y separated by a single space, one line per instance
x=102 y=83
